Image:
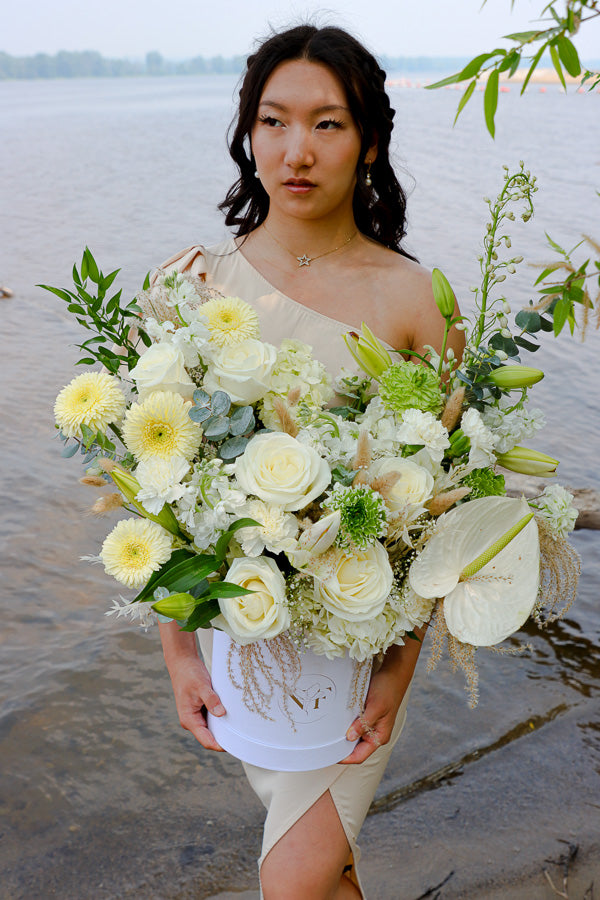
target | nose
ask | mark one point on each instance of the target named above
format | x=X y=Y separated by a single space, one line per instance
x=299 y=149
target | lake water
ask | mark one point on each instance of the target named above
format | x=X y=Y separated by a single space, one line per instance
x=102 y=794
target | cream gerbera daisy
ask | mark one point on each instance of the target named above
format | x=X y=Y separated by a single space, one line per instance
x=134 y=549
x=93 y=399
x=230 y=320
x=161 y=427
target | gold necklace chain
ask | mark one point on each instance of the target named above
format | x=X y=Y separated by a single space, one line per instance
x=306 y=260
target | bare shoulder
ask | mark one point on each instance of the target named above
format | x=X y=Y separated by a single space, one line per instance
x=406 y=310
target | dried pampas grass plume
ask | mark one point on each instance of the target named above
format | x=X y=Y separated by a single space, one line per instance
x=107 y=504
x=560 y=567
x=453 y=409
x=462 y=656
x=362 y=459
x=442 y=502
x=93 y=481
x=286 y=419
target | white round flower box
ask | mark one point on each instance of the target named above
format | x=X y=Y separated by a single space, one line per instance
x=298 y=729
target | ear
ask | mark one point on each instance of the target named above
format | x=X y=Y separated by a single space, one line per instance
x=371 y=154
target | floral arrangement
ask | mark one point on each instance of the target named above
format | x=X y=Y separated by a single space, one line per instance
x=267 y=498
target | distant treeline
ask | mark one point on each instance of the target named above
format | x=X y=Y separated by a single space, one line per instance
x=91 y=64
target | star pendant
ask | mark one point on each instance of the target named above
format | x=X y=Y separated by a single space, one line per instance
x=304 y=260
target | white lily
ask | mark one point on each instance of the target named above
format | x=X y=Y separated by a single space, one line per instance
x=484 y=560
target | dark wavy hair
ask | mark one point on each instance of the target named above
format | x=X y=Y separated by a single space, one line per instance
x=379 y=209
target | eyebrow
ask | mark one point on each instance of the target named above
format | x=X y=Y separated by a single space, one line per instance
x=320 y=109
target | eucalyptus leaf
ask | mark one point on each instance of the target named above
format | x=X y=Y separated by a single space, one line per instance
x=216 y=428
x=528 y=320
x=67 y=452
x=220 y=403
x=201 y=397
x=199 y=413
x=527 y=345
x=233 y=447
x=242 y=420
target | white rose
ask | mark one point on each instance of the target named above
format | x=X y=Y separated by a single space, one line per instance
x=357 y=584
x=279 y=469
x=162 y=368
x=242 y=370
x=413 y=488
x=260 y=615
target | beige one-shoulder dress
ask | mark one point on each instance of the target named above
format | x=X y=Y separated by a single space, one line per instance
x=288 y=795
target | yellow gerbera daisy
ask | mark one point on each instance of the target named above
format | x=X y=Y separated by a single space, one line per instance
x=161 y=427
x=230 y=320
x=134 y=549
x=93 y=399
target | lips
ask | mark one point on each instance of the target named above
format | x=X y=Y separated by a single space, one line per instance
x=299 y=185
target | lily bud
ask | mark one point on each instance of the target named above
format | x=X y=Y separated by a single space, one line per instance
x=129 y=487
x=320 y=536
x=459 y=444
x=528 y=462
x=513 y=377
x=443 y=293
x=177 y=606
x=369 y=353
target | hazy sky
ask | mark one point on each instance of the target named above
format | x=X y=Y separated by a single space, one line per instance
x=180 y=29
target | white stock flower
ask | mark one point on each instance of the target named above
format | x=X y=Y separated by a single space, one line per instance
x=423 y=428
x=556 y=507
x=481 y=438
x=262 y=614
x=278 y=469
x=160 y=481
x=354 y=585
x=382 y=425
x=277 y=530
x=242 y=370
x=295 y=367
x=514 y=427
x=162 y=368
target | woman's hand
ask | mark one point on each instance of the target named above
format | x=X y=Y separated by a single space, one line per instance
x=193 y=689
x=386 y=691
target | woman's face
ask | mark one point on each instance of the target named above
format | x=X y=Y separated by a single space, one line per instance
x=305 y=142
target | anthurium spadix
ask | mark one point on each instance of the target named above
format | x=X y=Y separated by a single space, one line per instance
x=484 y=560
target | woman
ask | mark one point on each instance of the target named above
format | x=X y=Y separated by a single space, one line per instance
x=320 y=216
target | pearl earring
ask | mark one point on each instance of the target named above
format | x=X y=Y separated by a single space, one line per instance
x=368 y=179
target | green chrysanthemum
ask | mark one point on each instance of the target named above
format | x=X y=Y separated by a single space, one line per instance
x=407 y=385
x=363 y=515
x=484 y=483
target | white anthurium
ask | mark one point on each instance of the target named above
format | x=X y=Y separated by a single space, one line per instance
x=484 y=560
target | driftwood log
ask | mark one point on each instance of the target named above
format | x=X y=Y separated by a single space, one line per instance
x=586 y=500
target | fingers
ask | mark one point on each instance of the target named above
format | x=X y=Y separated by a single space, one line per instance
x=195 y=697
x=370 y=737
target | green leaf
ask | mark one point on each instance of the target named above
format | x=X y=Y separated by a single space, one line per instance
x=546 y=324
x=146 y=283
x=67 y=452
x=510 y=61
x=222 y=544
x=202 y=616
x=545 y=274
x=201 y=397
x=528 y=320
x=216 y=428
x=533 y=66
x=225 y=589
x=64 y=295
x=562 y=310
x=527 y=345
x=84 y=267
x=199 y=413
x=465 y=99
x=569 y=56
x=554 y=245
x=521 y=36
x=490 y=101
x=451 y=79
x=499 y=342
x=108 y=279
x=557 y=66
x=92 y=268
x=180 y=572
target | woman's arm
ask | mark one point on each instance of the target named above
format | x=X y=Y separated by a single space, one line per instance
x=191 y=683
x=386 y=692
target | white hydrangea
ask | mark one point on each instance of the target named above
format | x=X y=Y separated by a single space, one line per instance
x=423 y=428
x=160 y=482
x=556 y=507
x=481 y=438
x=211 y=505
x=512 y=426
x=277 y=531
x=383 y=426
x=296 y=367
x=334 y=438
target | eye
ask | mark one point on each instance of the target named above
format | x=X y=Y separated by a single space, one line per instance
x=330 y=124
x=271 y=121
